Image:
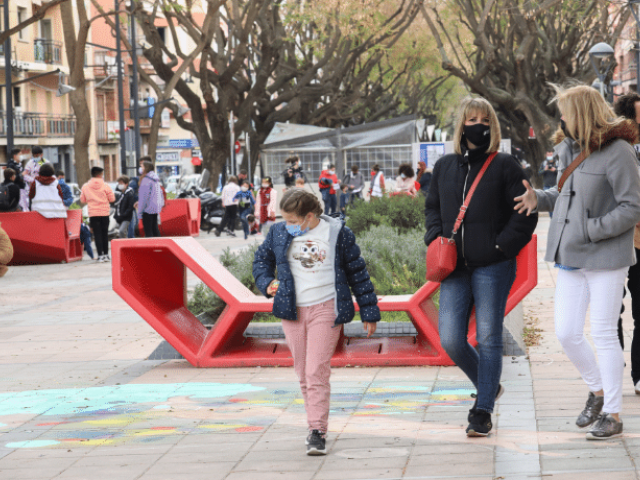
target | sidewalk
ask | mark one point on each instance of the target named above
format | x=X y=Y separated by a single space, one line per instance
x=79 y=401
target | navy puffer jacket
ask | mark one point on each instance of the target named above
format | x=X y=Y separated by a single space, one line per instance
x=350 y=268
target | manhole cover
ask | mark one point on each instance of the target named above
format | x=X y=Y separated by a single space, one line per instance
x=374 y=453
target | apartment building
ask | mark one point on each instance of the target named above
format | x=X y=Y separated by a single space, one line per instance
x=40 y=117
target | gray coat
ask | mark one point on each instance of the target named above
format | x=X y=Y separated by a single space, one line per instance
x=595 y=215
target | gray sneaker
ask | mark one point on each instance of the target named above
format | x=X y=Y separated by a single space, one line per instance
x=591 y=410
x=606 y=427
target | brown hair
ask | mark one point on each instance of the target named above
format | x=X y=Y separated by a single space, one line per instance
x=300 y=203
x=300 y=181
x=477 y=106
x=232 y=179
x=292 y=159
x=8 y=173
x=124 y=179
x=375 y=168
x=46 y=170
x=146 y=158
x=267 y=179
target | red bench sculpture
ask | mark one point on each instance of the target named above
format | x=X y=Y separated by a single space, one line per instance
x=38 y=240
x=180 y=217
x=161 y=300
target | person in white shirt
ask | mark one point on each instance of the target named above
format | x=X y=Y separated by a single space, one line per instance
x=230 y=207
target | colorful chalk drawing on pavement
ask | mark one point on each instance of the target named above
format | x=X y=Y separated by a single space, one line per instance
x=146 y=413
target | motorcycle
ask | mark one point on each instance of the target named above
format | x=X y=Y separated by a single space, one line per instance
x=211 y=208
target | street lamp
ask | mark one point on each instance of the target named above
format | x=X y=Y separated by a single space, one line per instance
x=601 y=54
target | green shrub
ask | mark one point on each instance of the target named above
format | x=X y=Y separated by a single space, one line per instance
x=401 y=212
x=396 y=264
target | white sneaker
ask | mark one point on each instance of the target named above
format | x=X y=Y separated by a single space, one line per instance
x=637 y=388
x=106 y=258
x=99 y=259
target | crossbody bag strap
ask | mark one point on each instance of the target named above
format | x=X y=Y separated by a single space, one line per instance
x=467 y=200
x=571 y=168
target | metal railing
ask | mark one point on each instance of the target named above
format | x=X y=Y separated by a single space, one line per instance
x=47 y=51
x=27 y=124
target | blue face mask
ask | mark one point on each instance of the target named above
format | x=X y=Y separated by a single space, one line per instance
x=296 y=230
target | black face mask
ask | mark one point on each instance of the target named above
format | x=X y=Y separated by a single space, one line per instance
x=563 y=126
x=478 y=134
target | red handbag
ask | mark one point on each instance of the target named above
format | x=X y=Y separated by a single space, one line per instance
x=442 y=254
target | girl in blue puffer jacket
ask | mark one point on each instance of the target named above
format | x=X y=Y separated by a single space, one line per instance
x=319 y=265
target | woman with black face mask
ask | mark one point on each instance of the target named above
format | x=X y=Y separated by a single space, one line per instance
x=491 y=236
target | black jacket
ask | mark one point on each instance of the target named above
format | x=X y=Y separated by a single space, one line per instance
x=19 y=181
x=14 y=195
x=290 y=180
x=490 y=221
x=124 y=208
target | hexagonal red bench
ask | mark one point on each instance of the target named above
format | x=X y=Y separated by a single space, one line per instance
x=180 y=217
x=150 y=275
x=37 y=240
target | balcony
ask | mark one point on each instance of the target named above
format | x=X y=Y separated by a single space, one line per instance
x=47 y=51
x=27 y=124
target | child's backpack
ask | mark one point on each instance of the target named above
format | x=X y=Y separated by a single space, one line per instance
x=5 y=198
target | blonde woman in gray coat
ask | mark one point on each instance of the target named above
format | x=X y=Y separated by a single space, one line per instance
x=591 y=243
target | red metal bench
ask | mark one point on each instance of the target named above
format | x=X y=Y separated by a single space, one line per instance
x=38 y=240
x=180 y=217
x=161 y=300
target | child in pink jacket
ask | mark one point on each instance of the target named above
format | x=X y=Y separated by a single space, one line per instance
x=98 y=195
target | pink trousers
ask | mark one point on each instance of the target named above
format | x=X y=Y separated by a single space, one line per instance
x=312 y=340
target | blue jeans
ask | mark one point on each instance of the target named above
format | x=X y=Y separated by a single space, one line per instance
x=131 y=233
x=486 y=288
x=245 y=223
x=330 y=201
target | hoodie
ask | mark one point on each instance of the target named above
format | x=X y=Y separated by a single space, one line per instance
x=98 y=195
x=150 y=197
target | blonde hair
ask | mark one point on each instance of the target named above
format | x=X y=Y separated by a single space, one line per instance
x=477 y=105
x=586 y=113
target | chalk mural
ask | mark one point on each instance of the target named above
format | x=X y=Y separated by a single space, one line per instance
x=145 y=413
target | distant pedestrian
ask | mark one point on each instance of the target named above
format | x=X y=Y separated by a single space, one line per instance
x=293 y=171
x=133 y=183
x=9 y=192
x=32 y=169
x=628 y=106
x=492 y=236
x=377 y=188
x=243 y=176
x=254 y=226
x=405 y=181
x=6 y=252
x=230 y=207
x=67 y=195
x=590 y=241
x=355 y=181
x=46 y=195
x=150 y=199
x=424 y=178
x=266 y=205
x=14 y=163
x=344 y=200
x=124 y=206
x=246 y=201
x=85 y=239
x=98 y=196
x=319 y=268
x=328 y=182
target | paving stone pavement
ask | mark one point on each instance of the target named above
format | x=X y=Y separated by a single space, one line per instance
x=79 y=400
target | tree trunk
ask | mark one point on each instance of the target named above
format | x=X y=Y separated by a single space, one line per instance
x=155 y=130
x=82 y=135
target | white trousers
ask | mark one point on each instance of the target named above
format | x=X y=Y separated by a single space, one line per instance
x=602 y=291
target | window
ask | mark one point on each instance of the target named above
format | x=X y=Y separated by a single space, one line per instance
x=162 y=32
x=22 y=16
x=16 y=97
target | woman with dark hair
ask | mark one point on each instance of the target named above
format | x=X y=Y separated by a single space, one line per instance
x=406 y=180
x=293 y=172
